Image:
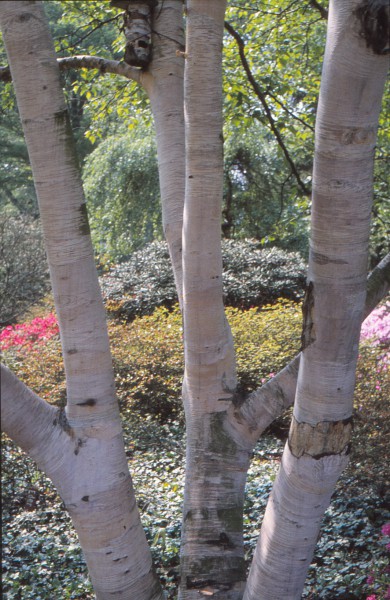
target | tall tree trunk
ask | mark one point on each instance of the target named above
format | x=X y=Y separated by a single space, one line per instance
x=212 y=558
x=318 y=445
x=90 y=470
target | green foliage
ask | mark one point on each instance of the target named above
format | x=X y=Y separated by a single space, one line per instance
x=123 y=196
x=252 y=276
x=24 y=277
x=265 y=339
x=257 y=202
x=148 y=362
x=42 y=557
x=17 y=193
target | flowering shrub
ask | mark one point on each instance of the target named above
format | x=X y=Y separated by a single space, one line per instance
x=27 y=334
x=376 y=327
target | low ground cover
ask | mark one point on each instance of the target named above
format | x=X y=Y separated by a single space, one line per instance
x=41 y=555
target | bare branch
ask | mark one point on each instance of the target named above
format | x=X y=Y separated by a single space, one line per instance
x=378 y=285
x=27 y=419
x=322 y=10
x=103 y=65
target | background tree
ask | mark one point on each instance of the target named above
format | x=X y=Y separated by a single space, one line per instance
x=122 y=192
x=24 y=276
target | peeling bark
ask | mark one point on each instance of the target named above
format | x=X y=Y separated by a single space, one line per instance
x=320 y=440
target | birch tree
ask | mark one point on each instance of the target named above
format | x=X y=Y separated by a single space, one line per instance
x=81 y=448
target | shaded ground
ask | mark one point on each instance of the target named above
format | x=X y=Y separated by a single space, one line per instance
x=42 y=558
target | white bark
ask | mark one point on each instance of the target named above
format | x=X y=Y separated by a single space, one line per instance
x=212 y=560
x=89 y=469
x=350 y=99
x=163 y=82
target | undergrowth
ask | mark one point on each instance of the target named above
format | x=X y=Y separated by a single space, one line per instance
x=41 y=555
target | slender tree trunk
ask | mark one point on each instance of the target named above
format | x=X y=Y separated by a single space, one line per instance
x=89 y=466
x=212 y=559
x=163 y=82
x=318 y=445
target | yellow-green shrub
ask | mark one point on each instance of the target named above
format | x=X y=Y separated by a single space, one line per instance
x=148 y=356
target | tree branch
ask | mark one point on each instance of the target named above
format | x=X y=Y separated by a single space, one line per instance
x=261 y=96
x=378 y=285
x=322 y=10
x=252 y=416
x=28 y=420
x=103 y=65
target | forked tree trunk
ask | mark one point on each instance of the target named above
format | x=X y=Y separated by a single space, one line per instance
x=317 y=450
x=86 y=461
x=82 y=449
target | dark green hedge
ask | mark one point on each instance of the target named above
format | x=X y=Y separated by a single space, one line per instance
x=252 y=276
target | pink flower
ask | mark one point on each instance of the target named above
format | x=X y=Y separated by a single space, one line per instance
x=27 y=334
x=370 y=580
x=372 y=597
x=377 y=325
x=386 y=529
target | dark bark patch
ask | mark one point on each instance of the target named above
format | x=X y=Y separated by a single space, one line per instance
x=322 y=259
x=220 y=572
x=25 y=17
x=223 y=542
x=308 y=330
x=72 y=351
x=374 y=19
x=79 y=444
x=220 y=442
x=88 y=402
x=62 y=421
x=326 y=438
x=84 y=224
x=231 y=518
x=85 y=498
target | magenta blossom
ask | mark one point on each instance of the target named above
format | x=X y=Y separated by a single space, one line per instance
x=27 y=334
x=386 y=529
x=377 y=325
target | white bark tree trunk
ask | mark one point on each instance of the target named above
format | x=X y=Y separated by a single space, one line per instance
x=88 y=462
x=163 y=82
x=317 y=449
x=212 y=559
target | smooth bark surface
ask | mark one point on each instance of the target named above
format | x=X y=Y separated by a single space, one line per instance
x=163 y=83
